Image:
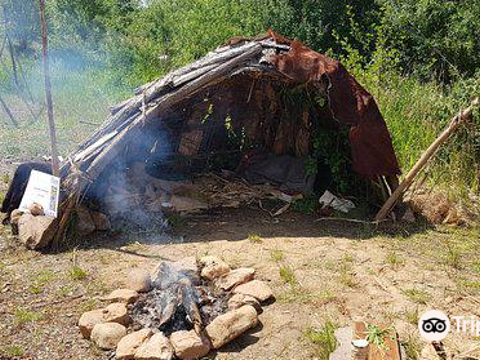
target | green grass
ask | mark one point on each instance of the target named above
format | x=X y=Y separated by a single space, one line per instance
x=277 y=255
x=42 y=279
x=12 y=350
x=288 y=276
x=346 y=274
x=255 y=238
x=413 y=347
x=412 y=317
x=77 y=273
x=23 y=316
x=394 y=259
x=324 y=339
x=417 y=296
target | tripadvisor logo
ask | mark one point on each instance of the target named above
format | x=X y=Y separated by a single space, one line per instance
x=434 y=325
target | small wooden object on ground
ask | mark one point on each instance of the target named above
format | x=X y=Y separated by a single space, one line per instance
x=390 y=350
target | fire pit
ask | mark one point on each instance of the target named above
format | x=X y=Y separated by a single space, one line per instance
x=181 y=310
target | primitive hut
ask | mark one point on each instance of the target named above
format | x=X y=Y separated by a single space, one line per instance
x=217 y=111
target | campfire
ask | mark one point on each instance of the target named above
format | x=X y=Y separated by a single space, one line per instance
x=181 y=310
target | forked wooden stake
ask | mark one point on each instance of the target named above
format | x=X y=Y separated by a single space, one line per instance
x=462 y=116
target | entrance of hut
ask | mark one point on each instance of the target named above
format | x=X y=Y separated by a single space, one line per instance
x=248 y=140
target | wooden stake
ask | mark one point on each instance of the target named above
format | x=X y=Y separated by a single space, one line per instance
x=48 y=91
x=426 y=156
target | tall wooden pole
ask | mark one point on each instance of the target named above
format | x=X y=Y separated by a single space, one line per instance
x=48 y=91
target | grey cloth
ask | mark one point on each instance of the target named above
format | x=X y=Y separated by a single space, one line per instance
x=287 y=172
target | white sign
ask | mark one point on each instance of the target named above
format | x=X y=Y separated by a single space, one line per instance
x=43 y=189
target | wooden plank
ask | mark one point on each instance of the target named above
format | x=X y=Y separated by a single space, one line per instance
x=392 y=351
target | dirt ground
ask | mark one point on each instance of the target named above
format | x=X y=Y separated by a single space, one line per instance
x=319 y=271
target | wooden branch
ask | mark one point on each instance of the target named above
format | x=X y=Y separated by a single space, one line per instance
x=13 y=122
x=426 y=156
x=48 y=91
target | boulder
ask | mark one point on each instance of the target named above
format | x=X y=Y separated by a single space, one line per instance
x=235 y=277
x=113 y=313
x=238 y=300
x=122 y=296
x=85 y=225
x=229 y=326
x=139 y=280
x=101 y=221
x=158 y=347
x=116 y=312
x=128 y=345
x=256 y=288
x=188 y=345
x=213 y=267
x=36 y=232
x=107 y=335
x=88 y=320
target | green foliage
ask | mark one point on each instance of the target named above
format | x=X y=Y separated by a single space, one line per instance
x=77 y=273
x=324 y=339
x=23 y=315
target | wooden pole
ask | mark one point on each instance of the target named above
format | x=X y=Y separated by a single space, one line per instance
x=426 y=156
x=13 y=122
x=48 y=91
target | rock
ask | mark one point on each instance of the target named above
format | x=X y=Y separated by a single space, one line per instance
x=36 y=232
x=128 y=346
x=107 y=335
x=226 y=327
x=85 y=224
x=409 y=216
x=116 y=312
x=139 y=280
x=238 y=300
x=101 y=221
x=122 y=296
x=15 y=217
x=113 y=313
x=235 y=277
x=256 y=288
x=213 y=267
x=88 y=320
x=36 y=209
x=158 y=347
x=188 y=345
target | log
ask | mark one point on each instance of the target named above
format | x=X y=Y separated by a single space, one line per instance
x=426 y=156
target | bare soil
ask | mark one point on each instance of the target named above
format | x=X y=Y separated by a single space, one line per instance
x=336 y=271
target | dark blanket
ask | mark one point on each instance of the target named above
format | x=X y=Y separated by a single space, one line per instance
x=19 y=183
x=287 y=172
